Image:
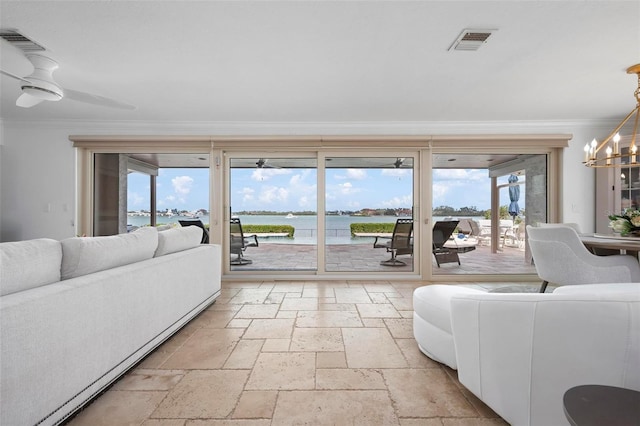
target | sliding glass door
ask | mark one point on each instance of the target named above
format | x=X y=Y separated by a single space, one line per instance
x=481 y=206
x=320 y=213
x=364 y=198
x=273 y=201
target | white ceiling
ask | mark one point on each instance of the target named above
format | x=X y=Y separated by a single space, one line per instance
x=329 y=61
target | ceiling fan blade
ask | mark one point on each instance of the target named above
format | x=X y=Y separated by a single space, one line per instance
x=96 y=100
x=27 y=101
x=8 y=74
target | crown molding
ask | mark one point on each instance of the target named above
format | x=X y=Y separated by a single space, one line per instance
x=306 y=128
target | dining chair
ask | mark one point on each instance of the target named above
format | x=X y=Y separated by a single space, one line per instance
x=561 y=258
x=555 y=225
x=595 y=250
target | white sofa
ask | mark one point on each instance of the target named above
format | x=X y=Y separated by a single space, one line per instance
x=76 y=314
x=520 y=352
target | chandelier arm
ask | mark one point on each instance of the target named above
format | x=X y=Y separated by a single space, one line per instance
x=622 y=123
x=635 y=127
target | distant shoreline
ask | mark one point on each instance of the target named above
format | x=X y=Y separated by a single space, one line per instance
x=337 y=227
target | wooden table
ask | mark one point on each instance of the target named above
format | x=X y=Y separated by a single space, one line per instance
x=628 y=245
x=597 y=405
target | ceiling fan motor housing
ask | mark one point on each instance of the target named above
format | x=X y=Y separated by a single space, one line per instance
x=41 y=83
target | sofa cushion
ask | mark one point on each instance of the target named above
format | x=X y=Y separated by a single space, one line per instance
x=29 y=264
x=178 y=239
x=433 y=303
x=82 y=256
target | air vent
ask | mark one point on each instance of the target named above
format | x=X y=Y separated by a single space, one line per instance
x=471 y=39
x=21 y=42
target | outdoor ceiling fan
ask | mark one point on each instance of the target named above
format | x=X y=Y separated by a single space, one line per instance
x=262 y=164
x=40 y=86
x=398 y=163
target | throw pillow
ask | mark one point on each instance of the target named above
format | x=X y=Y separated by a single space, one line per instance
x=178 y=239
x=29 y=264
x=85 y=255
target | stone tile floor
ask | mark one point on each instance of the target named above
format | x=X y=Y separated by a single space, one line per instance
x=293 y=353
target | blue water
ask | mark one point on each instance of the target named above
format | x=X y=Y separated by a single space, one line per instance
x=337 y=228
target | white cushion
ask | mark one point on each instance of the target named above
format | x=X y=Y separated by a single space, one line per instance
x=29 y=264
x=520 y=352
x=178 y=239
x=432 y=321
x=433 y=303
x=82 y=256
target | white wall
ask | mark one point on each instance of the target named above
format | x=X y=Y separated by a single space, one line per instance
x=37 y=162
x=38 y=183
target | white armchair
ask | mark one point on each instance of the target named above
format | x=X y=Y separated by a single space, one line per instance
x=519 y=352
x=561 y=258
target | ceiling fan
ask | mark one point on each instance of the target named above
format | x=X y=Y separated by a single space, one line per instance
x=40 y=86
x=398 y=163
x=262 y=164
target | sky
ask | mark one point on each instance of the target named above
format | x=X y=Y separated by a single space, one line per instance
x=292 y=190
x=182 y=189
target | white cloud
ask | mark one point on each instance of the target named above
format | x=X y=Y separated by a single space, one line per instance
x=396 y=172
x=357 y=174
x=273 y=194
x=439 y=191
x=304 y=202
x=296 y=180
x=396 y=202
x=247 y=194
x=261 y=175
x=171 y=200
x=136 y=200
x=182 y=184
x=347 y=188
x=459 y=174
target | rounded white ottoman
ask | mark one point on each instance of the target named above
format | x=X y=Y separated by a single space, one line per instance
x=432 y=321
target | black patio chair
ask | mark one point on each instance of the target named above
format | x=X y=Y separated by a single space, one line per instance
x=442 y=230
x=239 y=242
x=398 y=244
x=199 y=224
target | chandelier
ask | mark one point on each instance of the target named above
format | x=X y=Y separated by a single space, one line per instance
x=613 y=154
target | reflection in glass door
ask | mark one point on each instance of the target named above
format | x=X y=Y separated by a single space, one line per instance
x=364 y=198
x=274 y=214
x=149 y=189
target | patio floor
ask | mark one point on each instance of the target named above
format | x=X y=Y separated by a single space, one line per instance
x=364 y=258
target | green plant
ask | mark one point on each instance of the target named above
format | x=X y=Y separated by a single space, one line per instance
x=628 y=222
x=371 y=228
x=269 y=229
x=503 y=213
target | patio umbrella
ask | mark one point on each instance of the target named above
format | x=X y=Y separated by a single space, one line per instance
x=514 y=196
